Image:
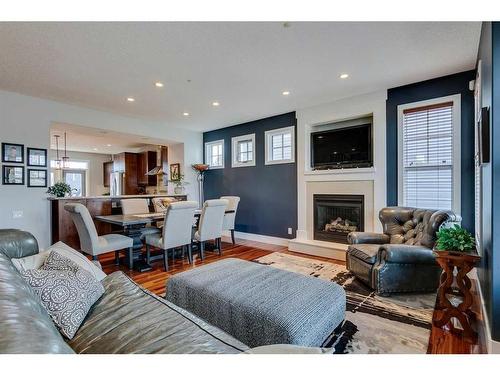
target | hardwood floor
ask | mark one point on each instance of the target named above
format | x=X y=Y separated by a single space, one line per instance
x=440 y=341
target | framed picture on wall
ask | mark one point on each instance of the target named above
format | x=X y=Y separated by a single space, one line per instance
x=12 y=153
x=37 y=177
x=12 y=175
x=37 y=157
x=175 y=172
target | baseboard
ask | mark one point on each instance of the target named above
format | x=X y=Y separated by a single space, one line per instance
x=492 y=346
x=260 y=238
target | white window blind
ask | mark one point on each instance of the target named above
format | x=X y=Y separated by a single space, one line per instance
x=428 y=156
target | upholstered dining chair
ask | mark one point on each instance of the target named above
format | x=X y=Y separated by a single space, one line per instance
x=138 y=206
x=229 y=218
x=177 y=231
x=93 y=244
x=210 y=224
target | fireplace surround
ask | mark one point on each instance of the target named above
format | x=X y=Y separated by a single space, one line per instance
x=335 y=215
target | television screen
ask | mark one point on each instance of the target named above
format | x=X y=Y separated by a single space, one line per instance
x=342 y=148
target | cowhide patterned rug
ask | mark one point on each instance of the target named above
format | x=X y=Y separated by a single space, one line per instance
x=373 y=324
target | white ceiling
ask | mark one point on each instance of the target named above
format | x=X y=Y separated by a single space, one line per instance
x=85 y=139
x=243 y=65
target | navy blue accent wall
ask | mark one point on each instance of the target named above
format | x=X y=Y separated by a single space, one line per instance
x=435 y=88
x=489 y=271
x=268 y=193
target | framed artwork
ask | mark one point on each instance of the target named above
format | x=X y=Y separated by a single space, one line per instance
x=37 y=157
x=12 y=175
x=12 y=153
x=37 y=177
x=175 y=172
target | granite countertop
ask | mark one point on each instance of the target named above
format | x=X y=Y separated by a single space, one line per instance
x=119 y=196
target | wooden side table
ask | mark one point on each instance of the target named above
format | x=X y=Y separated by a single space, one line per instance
x=456 y=285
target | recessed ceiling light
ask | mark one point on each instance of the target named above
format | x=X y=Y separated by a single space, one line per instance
x=95 y=149
x=185 y=113
x=285 y=93
x=344 y=76
x=158 y=84
x=109 y=145
x=216 y=104
x=130 y=99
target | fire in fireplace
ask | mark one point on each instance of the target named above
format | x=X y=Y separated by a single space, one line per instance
x=335 y=215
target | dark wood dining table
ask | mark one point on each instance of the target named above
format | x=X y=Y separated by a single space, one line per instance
x=132 y=226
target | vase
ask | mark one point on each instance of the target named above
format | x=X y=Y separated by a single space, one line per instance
x=179 y=190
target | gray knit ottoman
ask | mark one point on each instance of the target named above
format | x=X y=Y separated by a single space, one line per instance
x=258 y=304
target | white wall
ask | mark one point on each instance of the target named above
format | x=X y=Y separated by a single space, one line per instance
x=344 y=109
x=26 y=120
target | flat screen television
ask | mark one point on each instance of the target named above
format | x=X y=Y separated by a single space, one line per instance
x=349 y=147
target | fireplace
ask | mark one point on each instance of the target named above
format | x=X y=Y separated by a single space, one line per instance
x=336 y=215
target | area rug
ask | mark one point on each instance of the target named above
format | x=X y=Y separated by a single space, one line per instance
x=373 y=324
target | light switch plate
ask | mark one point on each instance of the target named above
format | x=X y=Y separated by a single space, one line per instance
x=17 y=214
x=289 y=230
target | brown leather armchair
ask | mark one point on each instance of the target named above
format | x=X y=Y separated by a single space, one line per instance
x=400 y=259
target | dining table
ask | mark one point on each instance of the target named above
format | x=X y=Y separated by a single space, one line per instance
x=132 y=226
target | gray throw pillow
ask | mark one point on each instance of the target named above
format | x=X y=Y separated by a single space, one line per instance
x=67 y=292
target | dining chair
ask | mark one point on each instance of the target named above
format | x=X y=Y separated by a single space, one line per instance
x=137 y=206
x=93 y=244
x=210 y=224
x=177 y=230
x=229 y=218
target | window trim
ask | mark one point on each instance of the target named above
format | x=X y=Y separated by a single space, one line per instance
x=208 y=146
x=234 y=151
x=456 y=170
x=269 y=135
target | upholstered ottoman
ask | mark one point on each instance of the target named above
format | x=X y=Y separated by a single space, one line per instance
x=258 y=304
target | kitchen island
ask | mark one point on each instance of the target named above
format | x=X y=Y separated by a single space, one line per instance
x=63 y=229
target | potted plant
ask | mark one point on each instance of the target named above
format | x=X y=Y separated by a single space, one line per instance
x=179 y=184
x=60 y=189
x=456 y=239
x=455 y=253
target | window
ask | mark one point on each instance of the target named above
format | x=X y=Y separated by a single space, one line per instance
x=280 y=145
x=76 y=179
x=429 y=154
x=214 y=154
x=243 y=151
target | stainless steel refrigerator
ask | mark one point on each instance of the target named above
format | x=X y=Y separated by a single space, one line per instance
x=116 y=183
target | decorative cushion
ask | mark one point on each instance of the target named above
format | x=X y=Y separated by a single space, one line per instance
x=365 y=252
x=36 y=261
x=66 y=291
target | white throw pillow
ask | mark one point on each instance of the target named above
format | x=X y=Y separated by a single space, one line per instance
x=36 y=261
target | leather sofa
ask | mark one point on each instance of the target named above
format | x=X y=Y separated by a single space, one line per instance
x=400 y=259
x=126 y=319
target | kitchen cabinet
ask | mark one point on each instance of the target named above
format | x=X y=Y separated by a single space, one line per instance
x=145 y=162
x=107 y=168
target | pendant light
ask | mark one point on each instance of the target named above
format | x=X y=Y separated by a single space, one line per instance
x=65 y=158
x=57 y=161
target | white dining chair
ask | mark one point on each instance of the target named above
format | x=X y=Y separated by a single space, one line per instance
x=137 y=206
x=229 y=218
x=93 y=244
x=210 y=224
x=177 y=231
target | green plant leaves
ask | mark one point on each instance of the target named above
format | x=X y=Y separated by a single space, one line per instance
x=455 y=238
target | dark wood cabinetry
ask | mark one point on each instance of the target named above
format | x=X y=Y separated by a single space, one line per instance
x=145 y=162
x=107 y=168
x=126 y=162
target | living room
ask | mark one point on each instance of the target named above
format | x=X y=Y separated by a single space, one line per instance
x=266 y=187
